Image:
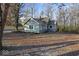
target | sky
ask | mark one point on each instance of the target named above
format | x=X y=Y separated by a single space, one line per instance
x=40 y=6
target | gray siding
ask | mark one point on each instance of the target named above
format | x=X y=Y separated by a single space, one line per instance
x=39 y=27
x=43 y=27
x=35 y=26
x=52 y=27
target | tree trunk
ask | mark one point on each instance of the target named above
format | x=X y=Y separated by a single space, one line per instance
x=17 y=17
x=3 y=17
x=17 y=22
x=1 y=30
x=64 y=23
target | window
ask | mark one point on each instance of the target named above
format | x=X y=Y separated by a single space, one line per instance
x=50 y=26
x=30 y=26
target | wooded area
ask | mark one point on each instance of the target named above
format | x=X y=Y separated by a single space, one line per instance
x=65 y=16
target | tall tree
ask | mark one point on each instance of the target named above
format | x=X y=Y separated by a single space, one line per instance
x=61 y=17
x=16 y=10
x=27 y=13
x=3 y=16
x=48 y=10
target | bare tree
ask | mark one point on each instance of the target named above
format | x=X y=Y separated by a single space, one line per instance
x=14 y=13
x=17 y=11
x=3 y=16
x=61 y=18
x=48 y=10
x=73 y=17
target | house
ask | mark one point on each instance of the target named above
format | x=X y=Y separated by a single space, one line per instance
x=35 y=25
x=51 y=26
x=39 y=25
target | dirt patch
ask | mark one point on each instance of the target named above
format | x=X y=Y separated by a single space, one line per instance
x=41 y=44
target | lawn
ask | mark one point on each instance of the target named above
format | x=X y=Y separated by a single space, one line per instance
x=40 y=44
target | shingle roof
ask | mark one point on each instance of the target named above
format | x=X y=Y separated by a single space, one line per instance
x=39 y=20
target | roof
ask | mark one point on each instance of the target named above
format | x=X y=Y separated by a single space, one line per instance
x=45 y=19
x=39 y=20
x=52 y=22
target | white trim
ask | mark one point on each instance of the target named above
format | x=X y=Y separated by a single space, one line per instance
x=34 y=20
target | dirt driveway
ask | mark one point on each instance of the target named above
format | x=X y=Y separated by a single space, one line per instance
x=45 y=44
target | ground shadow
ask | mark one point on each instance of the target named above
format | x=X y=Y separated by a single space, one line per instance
x=59 y=45
x=32 y=53
x=73 y=53
x=37 y=46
